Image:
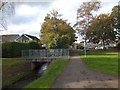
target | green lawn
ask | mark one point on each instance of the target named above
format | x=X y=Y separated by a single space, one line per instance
x=49 y=76
x=102 y=61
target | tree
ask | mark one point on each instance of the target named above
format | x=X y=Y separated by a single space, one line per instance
x=84 y=16
x=101 y=30
x=60 y=42
x=116 y=18
x=6 y=10
x=54 y=27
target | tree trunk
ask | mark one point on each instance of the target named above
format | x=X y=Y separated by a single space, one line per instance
x=103 y=44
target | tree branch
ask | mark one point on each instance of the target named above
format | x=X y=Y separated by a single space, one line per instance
x=3 y=4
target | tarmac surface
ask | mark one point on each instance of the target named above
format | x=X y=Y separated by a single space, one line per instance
x=77 y=75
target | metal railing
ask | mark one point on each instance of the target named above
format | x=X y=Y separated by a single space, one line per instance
x=45 y=53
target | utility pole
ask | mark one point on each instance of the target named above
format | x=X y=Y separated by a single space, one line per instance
x=85 y=45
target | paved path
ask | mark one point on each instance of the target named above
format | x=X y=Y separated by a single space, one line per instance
x=76 y=75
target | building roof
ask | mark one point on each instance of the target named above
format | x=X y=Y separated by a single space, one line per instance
x=13 y=37
x=32 y=37
x=28 y=36
x=8 y=38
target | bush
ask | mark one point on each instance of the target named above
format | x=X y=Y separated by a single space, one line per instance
x=60 y=41
x=13 y=49
x=118 y=46
x=79 y=46
x=34 y=45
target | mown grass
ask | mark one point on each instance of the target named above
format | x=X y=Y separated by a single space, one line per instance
x=102 y=61
x=47 y=79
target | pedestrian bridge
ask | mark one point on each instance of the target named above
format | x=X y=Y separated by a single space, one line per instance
x=45 y=55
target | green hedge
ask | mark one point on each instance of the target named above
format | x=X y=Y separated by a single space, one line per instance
x=13 y=49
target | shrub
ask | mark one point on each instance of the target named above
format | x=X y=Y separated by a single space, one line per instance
x=13 y=49
x=118 y=45
x=79 y=46
x=60 y=41
x=34 y=45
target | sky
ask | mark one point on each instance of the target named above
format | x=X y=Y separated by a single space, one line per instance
x=29 y=16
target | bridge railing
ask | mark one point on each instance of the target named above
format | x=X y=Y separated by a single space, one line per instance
x=42 y=53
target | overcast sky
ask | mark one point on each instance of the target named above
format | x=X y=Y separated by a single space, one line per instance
x=29 y=16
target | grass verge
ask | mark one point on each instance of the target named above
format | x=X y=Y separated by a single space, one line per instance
x=47 y=79
x=11 y=70
x=9 y=62
x=102 y=61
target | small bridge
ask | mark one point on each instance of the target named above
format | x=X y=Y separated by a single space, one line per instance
x=45 y=55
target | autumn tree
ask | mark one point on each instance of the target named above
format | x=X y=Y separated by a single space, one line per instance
x=53 y=28
x=6 y=10
x=116 y=19
x=60 y=42
x=84 y=16
x=101 y=30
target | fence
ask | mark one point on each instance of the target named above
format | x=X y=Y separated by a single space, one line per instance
x=45 y=53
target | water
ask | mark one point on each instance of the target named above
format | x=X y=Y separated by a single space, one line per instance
x=43 y=68
x=29 y=78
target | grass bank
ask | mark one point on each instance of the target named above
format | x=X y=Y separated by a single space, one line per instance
x=13 y=69
x=102 y=61
x=9 y=62
x=47 y=79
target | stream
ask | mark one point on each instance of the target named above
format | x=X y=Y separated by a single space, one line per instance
x=29 y=78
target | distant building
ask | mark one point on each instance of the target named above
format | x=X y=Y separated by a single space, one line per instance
x=8 y=38
x=24 y=38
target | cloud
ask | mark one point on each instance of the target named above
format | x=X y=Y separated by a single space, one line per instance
x=25 y=13
x=26 y=10
x=31 y=28
x=29 y=16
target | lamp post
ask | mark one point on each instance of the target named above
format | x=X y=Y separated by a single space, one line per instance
x=85 y=45
x=85 y=42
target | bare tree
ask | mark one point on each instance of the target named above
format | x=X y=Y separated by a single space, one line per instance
x=84 y=16
x=6 y=11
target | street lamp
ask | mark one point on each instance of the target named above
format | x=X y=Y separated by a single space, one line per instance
x=85 y=44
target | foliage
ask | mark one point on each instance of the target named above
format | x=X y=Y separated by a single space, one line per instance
x=53 y=27
x=101 y=30
x=34 y=45
x=107 y=59
x=60 y=42
x=84 y=15
x=47 y=79
x=118 y=46
x=13 y=49
x=79 y=46
x=116 y=16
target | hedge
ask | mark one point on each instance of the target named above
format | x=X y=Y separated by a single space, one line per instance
x=13 y=49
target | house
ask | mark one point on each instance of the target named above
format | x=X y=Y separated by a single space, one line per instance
x=8 y=38
x=26 y=38
x=17 y=38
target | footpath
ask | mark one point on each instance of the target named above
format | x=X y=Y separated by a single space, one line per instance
x=76 y=75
